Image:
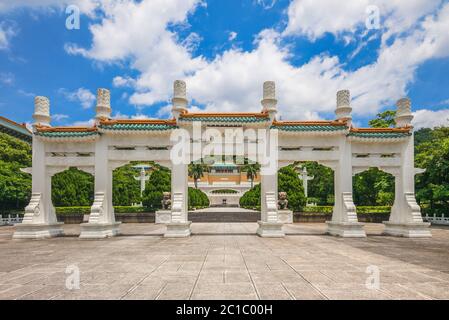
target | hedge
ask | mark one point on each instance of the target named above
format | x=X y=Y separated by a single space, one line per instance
x=86 y=210
x=224 y=191
x=360 y=209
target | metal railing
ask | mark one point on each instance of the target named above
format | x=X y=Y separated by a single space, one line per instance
x=436 y=220
x=10 y=220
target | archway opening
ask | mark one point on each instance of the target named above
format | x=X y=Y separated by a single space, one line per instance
x=373 y=195
x=72 y=193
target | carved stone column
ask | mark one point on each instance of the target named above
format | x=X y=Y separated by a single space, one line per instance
x=344 y=216
x=40 y=218
x=102 y=222
x=179 y=226
x=269 y=225
x=405 y=218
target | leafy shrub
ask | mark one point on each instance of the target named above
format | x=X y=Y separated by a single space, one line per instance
x=197 y=199
x=73 y=210
x=288 y=181
x=159 y=182
x=72 y=188
x=318 y=209
x=360 y=209
x=251 y=198
x=221 y=191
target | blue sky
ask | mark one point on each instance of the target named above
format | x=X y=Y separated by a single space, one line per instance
x=225 y=50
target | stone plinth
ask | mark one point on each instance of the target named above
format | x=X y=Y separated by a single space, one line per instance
x=178 y=229
x=163 y=216
x=37 y=231
x=99 y=230
x=270 y=229
x=346 y=229
x=408 y=230
x=285 y=216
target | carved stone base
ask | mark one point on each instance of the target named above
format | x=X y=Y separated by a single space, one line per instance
x=38 y=231
x=99 y=230
x=163 y=216
x=178 y=230
x=270 y=229
x=346 y=229
x=408 y=230
x=285 y=216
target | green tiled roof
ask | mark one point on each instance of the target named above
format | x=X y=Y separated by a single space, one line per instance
x=66 y=134
x=138 y=126
x=244 y=119
x=14 y=129
x=379 y=134
x=309 y=128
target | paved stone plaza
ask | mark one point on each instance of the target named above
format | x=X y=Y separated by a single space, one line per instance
x=225 y=261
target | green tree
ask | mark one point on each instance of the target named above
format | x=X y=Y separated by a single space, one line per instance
x=72 y=187
x=125 y=189
x=373 y=186
x=196 y=171
x=432 y=186
x=383 y=120
x=197 y=199
x=15 y=186
x=159 y=182
x=321 y=187
x=288 y=181
x=251 y=170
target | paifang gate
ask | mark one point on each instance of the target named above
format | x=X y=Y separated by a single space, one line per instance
x=175 y=142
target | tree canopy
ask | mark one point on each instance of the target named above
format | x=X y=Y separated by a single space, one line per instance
x=15 y=186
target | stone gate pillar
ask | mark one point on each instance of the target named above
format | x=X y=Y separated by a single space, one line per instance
x=102 y=222
x=40 y=217
x=405 y=218
x=344 y=221
x=179 y=226
x=268 y=148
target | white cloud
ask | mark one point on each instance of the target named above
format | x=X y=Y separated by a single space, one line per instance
x=83 y=123
x=26 y=93
x=429 y=119
x=85 y=6
x=7 y=78
x=7 y=31
x=313 y=18
x=138 y=31
x=232 y=81
x=122 y=82
x=266 y=4
x=59 y=117
x=81 y=95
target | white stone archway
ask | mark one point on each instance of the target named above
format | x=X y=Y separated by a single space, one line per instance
x=112 y=143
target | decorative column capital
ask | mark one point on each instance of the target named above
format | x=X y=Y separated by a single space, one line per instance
x=179 y=100
x=103 y=108
x=269 y=101
x=41 y=114
x=343 y=110
x=404 y=115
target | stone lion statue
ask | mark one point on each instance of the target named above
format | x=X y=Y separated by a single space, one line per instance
x=282 y=202
x=166 y=201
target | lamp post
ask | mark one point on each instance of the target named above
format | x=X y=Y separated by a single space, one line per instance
x=143 y=177
x=305 y=178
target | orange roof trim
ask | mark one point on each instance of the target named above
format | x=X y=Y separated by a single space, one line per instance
x=66 y=129
x=138 y=121
x=221 y=114
x=310 y=123
x=381 y=130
